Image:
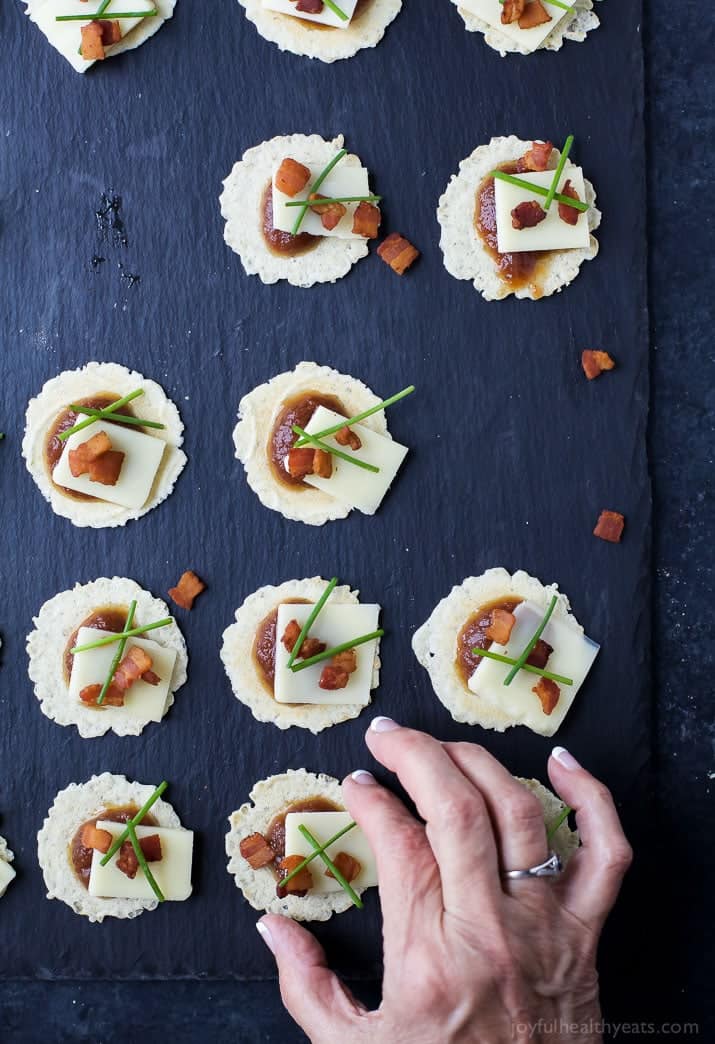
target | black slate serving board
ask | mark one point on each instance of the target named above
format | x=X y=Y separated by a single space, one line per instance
x=513 y=452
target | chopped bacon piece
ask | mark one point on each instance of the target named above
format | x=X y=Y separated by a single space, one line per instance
x=366 y=220
x=136 y=662
x=537 y=157
x=256 y=851
x=150 y=678
x=301 y=882
x=501 y=626
x=527 y=214
x=113 y=697
x=92 y=46
x=88 y=451
x=311 y=647
x=333 y=678
x=309 y=6
x=595 y=362
x=331 y=213
x=347 y=866
x=111 y=31
x=151 y=847
x=397 y=252
x=322 y=464
x=347 y=437
x=539 y=655
x=610 y=526
x=569 y=214
x=534 y=14
x=512 y=11
x=346 y=661
x=291 y=635
x=548 y=692
x=291 y=176
x=300 y=462
x=128 y=862
x=93 y=837
x=105 y=469
x=188 y=588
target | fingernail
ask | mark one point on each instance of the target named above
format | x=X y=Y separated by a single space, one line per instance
x=564 y=758
x=264 y=933
x=382 y=724
x=362 y=776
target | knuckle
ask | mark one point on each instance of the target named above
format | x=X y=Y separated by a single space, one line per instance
x=523 y=810
x=460 y=809
x=618 y=857
x=602 y=794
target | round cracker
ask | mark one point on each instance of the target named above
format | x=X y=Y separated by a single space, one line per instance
x=268 y=798
x=59 y=618
x=329 y=260
x=299 y=36
x=91 y=379
x=246 y=681
x=435 y=642
x=258 y=412
x=77 y=804
x=574 y=27
x=466 y=257
x=564 y=841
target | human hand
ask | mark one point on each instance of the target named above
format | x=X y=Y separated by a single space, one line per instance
x=468 y=955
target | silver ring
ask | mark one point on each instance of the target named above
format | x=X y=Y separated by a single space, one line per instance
x=551 y=868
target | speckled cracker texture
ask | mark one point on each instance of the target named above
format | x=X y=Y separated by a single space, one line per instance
x=575 y=27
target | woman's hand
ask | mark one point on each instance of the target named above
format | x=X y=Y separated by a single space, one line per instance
x=468 y=956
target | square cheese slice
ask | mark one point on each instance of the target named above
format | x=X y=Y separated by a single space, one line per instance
x=572 y=657
x=343 y=180
x=353 y=486
x=172 y=873
x=490 y=12
x=142 y=457
x=66 y=37
x=141 y=699
x=324 y=825
x=335 y=624
x=7 y=874
x=550 y=234
x=325 y=17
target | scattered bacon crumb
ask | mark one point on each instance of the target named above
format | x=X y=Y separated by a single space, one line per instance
x=92 y=46
x=331 y=213
x=291 y=635
x=595 y=362
x=347 y=866
x=501 y=626
x=300 y=462
x=302 y=881
x=569 y=214
x=527 y=214
x=111 y=31
x=291 y=176
x=539 y=655
x=534 y=14
x=322 y=464
x=113 y=697
x=366 y=220
x=93 y=837
x=512 y=11
x=332 y=678
x=88 y=451
x=128 y=862
x=397 y=252
x=309 y=6
x=347 y=437
x=188 y=588
x=136 y=662
x=256 y=851
x=548 y=692
x=105 y=469
x=311 y=647
x=537 y=157
x=610 y=526
x=151 y=847
x=346 y=661
x=150 y=678
x=96 y=458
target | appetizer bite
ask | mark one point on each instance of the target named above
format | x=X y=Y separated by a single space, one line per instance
x=325 y=29
x=106 y=655
x=561 y=838
x=102 y=444
x=304 y=653
x=314 y=444
x=294 y=850
x=85 y=33
x=518 y=219
x=7 y=872
x=299 y=208
x=505 y=650
x=111 y=848
x=525 y=26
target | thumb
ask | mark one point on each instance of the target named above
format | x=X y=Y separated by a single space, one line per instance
x=316 y=998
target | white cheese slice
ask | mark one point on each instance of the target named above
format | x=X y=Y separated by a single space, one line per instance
x=572 y=657
x=343 y=180
x=351 y=485
x=325 y=17
x=142 y=457
x=66 y=37
x=335 y=625
x=490 y=11
x=324 y=825
x=141 y=700
x=7 y=874
x=550 y=234
x=172 y=873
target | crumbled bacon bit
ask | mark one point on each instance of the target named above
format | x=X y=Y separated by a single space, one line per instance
x=80 y=457
x=512 y=11
x=311 y=647
x=347 y=437
x=302 y=881
x=136 y=662
x=345 y=661
x=93 y=837
x=113 y=697
x=128 y=862
x=92 y=46
x=256 y=851
x=366 y=220
x=151 y=847
x=105 y=469
x=610 y=526
x=332 y=678
x=397 y=252
x=501 y=626
x=309 y=6
x=534 y=14
x=527 y=214
x=346 y=865
x=331 y=213
x=569 y=214
x=150 y=678
x=111 y=31
x=291 y=176
x=537 y=157
x=548 y=692
x=300 y=462
x=539 y=655
x=188 y=588
x=291 y=635
x=595 y=362
x=322 y=464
